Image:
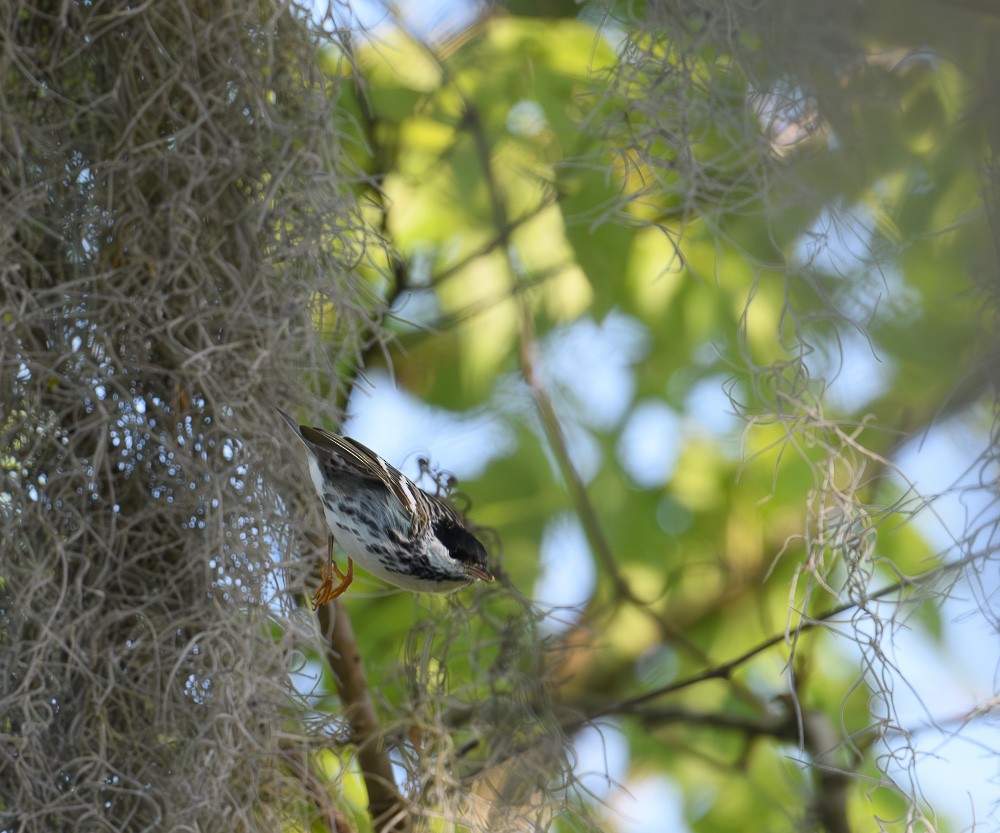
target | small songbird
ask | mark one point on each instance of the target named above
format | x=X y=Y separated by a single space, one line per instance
x=385 y=522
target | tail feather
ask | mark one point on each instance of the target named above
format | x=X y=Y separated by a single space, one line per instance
x=294 y=426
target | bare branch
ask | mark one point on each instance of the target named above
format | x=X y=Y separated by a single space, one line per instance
x=385 y=805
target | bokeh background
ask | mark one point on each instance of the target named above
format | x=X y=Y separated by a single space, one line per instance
x=696 y=300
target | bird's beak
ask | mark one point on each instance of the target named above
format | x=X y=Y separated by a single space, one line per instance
x=477 y=572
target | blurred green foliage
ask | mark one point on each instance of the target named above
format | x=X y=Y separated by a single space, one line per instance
x=749 y=197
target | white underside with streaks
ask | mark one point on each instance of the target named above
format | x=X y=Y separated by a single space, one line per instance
x=344 y=530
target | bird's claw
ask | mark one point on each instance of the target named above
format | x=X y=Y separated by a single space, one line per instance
x=329 y=589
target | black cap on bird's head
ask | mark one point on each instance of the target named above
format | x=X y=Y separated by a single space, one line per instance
x=463 y=546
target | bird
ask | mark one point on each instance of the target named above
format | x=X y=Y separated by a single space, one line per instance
x=385 y=522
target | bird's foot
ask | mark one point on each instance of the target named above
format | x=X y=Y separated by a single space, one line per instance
x=329 y=589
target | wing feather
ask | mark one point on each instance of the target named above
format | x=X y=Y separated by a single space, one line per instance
x=361 y=461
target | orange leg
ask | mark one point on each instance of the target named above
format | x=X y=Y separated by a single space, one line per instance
x=329 y=589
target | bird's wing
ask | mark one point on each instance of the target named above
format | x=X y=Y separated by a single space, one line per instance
x=361 y=461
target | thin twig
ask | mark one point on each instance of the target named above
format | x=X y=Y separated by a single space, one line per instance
x=497 y=240
x=724 y=670
x=631 y=706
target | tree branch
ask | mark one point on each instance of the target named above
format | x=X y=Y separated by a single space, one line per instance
x=724 y=670
x=385 y=805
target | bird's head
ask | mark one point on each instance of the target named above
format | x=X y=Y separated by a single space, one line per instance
x=464 y=547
